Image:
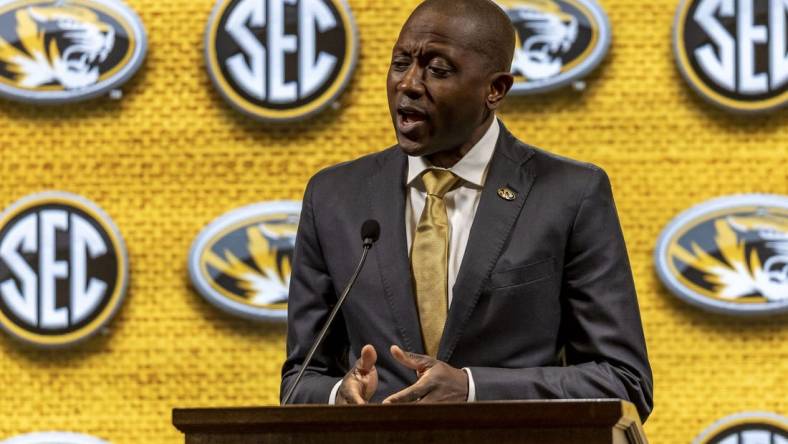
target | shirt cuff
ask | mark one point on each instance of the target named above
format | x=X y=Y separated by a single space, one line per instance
x=471 y=385
x=332 y=398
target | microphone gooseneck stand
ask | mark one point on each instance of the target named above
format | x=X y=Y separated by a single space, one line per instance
x=370 y=231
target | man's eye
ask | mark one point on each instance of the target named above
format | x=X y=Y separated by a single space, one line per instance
x=439 y=71
x=400 y=65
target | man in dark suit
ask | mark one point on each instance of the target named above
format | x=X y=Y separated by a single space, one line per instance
x=500 y=272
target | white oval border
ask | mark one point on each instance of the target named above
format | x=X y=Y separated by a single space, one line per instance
x=124 y=283
x=125 y=74
x=719 y=425
x=584 y=68
x=216 y=14
x=683 y=293
x=54 y=438
x=233 y=217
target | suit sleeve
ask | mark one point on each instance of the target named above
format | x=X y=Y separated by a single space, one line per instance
x=604 y=345
x=311 y=298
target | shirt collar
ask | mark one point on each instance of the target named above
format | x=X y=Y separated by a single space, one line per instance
x=472 y=168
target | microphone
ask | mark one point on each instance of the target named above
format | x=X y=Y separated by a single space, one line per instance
x=370 y=232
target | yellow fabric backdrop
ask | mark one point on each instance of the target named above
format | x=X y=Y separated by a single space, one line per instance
x=171 y=156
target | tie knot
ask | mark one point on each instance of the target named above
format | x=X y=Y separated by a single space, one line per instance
x=438 y=182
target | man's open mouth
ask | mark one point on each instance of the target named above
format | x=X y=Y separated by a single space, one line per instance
x=410 y=119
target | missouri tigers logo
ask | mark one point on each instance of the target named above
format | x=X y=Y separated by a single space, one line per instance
x=551 y=34
x=730 y=254
x=241 y=262
x=77 y=43
x=746 y=428
x=66 y=50
x=558 y=41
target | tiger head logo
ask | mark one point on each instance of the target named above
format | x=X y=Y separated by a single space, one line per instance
x=60 y=44
x=749 y=258
x=545 y=34
x=260 y=268
x=740 y=257
x=241 y=262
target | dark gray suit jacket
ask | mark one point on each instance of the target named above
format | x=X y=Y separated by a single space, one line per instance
x=544 y=305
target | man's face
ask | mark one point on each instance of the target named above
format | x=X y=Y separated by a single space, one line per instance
x=437 y=84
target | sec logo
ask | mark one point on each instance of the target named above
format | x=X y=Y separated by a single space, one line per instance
x=558 y=42
x=66 y=51
x=734 y=53
x=281 y=60
x=63 y=269
x=729 y=255
x=241 y=261
x=746 y=428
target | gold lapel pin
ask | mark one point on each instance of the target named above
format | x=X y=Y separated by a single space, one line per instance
x=507 y=193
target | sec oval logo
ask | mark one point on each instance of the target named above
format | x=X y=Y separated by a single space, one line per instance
x=558 y=42
x=729 y=255
x=734 y=53
x=746 y=428
x=63 y=269
x=281 y=60
x=241 y=261
x=67 y=51
x=54 y=438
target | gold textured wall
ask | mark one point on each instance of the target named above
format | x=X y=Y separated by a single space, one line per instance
x=171 y=156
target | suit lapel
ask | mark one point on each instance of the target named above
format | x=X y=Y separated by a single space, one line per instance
x=492 y=224
x=387 y=200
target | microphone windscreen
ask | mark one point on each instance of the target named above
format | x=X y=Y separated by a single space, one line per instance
x=370 y=229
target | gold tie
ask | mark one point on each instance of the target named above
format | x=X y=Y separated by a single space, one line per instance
x=429 y=258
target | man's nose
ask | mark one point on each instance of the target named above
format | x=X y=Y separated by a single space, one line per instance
x=411 y=83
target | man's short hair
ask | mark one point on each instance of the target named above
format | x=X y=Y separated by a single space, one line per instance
x=494 y=34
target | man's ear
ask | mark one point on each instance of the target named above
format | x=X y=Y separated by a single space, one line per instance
x=500 y=84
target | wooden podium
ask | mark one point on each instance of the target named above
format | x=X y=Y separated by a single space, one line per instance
x=528 y=422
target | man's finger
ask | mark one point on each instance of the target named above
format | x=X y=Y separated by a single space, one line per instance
x=413 y=361
x=411 y=394
x=356 y=398
x=351 y=397
x=361 y=382
x=368 y=358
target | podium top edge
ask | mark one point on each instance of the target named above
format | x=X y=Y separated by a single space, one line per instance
x=543 y=413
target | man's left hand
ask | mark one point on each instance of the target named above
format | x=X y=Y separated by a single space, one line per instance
x=437 y=381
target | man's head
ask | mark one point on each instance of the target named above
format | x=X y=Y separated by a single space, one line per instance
x=449 y=72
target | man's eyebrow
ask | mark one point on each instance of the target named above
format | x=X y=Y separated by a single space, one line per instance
x=438 y=48
x=432 y=53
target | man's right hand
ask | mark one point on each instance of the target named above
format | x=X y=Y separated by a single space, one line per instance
x=361 y=382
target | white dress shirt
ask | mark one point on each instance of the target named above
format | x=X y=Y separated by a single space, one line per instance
x=461 y=204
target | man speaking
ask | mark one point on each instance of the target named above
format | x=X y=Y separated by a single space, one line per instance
x=500 y=271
